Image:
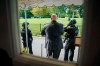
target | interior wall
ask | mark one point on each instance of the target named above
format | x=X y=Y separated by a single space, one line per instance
x=5 y=38
x=90 y=47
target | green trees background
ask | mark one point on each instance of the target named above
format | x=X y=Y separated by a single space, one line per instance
x=72 y=11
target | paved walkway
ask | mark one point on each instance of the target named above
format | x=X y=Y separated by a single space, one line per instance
x=40 y=41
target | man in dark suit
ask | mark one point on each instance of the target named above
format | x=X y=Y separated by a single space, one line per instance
x=53 y=32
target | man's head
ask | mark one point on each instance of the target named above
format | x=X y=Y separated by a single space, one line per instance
x=25 y=24
x=72 y=22
x=54 y=17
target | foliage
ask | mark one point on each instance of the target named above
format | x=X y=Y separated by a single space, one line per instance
x=37 y=11
x=73 y=11
x=28 y=12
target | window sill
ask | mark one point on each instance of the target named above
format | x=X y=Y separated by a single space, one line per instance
x=27 y=60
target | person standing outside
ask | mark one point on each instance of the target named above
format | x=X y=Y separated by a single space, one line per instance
x=71 y=31
x=29 y=37
x=53 y=32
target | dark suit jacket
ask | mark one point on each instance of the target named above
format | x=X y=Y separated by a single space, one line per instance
x=53 y=32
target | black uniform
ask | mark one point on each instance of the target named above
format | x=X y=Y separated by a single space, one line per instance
x=70 y=44
x=29 y=38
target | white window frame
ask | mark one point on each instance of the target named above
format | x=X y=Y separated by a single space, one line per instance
x=16 y=44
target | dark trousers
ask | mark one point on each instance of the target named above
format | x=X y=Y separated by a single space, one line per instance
x=54 y=53
x=29 y=46
x=70 y=47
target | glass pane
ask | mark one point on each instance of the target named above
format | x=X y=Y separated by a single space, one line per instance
x=35 y=14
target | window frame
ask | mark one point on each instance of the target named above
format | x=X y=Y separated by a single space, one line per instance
x=16 y=44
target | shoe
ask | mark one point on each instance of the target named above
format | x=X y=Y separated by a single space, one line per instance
x=24 y=51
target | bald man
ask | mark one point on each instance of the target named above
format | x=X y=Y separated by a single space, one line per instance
x=53 y=32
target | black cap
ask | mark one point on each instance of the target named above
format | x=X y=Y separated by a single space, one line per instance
x=23 y=24
x=74 y=21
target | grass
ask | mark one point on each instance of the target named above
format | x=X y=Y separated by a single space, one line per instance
x=35 y=25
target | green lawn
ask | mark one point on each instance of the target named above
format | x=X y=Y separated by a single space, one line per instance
x=35 y=25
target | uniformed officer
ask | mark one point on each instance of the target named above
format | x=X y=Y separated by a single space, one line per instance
x=29 y=37
x=71 y=31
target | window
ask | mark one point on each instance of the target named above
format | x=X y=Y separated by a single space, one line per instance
x=10 y=23
x=38 y=12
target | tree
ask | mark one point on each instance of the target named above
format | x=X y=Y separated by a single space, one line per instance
x=28 y=11
x=21 y=13
x=75 y=11
x=41 y=12
x=45 y=12
x=53 y=9
x=26 y=3
x=81 y=11
x=37 y=12
x=62 y=10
